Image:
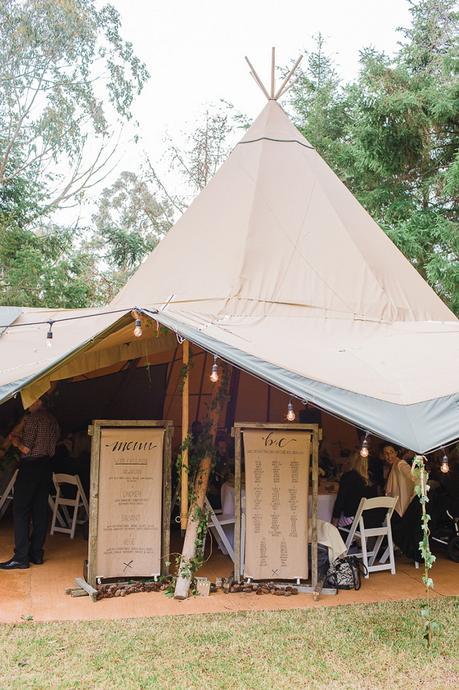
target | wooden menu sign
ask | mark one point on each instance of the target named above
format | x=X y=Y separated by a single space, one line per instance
x=276 y=474
x=129 y=485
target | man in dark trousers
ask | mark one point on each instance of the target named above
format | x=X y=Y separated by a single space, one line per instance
x=36 y=444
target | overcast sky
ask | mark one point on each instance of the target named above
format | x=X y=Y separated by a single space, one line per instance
x=194 y=49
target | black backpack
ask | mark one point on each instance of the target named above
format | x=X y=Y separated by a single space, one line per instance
x=345 y=573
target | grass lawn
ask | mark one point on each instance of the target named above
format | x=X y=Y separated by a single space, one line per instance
x=364 y=646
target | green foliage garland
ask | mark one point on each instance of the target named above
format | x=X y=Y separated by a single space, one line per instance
x=421 y=477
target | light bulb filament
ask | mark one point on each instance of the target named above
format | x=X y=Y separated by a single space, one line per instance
x=364 y=449
x=290 y=412
x=137 y=328
x=444 y=467
x=214 y=371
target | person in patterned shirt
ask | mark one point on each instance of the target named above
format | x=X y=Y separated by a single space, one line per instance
x=37 y=444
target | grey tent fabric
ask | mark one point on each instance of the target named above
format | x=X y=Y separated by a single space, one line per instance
x=421 y=426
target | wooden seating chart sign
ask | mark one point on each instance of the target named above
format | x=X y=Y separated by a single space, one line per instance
x=276 y=474
x=127 y=497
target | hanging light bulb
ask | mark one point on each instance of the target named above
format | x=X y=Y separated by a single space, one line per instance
x=49 y=335
x=214 y=371
x=137 y=328
x=290 y=412
x=444 y=467
x=364 y=449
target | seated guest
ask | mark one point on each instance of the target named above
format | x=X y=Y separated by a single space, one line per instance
x=400 y=482
x=353 y=486
x=376 y=469
x=444 y=498
x=73 y=457
x=407 y=531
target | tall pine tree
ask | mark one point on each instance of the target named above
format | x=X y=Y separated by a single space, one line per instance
x=393 y=137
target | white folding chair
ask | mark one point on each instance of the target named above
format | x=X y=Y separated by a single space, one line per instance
x=7 y=495
x=79 y=501
x=362 y=533
x=216 y=525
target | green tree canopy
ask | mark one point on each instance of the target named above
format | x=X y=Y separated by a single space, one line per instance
x=393 y=135
x=65 y=74
x=68 y=80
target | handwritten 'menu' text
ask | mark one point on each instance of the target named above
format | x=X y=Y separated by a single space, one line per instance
x=123 y=446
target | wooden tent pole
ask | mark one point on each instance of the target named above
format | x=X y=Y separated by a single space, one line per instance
x=185 y=428
x=201 y=383
x=257 y=78
x=184 y=576
x=315 y=498
x=260 y=85
x=289 y=86
x=273 y=71
x=287 y=78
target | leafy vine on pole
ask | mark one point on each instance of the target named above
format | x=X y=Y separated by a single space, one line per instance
x=422 y=487
x=202 y=457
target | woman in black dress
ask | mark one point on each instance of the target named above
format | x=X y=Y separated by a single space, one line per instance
x=353 y=486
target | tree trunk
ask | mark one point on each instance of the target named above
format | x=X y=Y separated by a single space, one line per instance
x=184 y=574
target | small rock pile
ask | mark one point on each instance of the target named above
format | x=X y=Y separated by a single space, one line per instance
x=122 y=589
x=117 y=589
x=265 y=588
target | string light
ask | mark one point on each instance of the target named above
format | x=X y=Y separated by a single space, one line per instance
x=214 y=371
x=364 y=449
x=444 y=467
x=49 y=335
x=25 y=324
x=137 y=328
x=290 y=412
x=214 y=374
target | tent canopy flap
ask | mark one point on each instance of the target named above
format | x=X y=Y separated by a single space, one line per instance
x=421 y=427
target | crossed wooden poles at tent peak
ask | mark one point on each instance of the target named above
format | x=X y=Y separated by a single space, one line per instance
x=286 y=84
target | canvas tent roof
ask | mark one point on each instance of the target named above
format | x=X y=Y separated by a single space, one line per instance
x=277 y=268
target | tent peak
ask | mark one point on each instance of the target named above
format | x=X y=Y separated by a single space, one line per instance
x=273 y=95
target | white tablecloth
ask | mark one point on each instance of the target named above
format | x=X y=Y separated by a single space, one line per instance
x=329 y=535
x=227 y=499
x=325 y=503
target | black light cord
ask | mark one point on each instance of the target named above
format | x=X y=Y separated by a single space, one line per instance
x=73 y=318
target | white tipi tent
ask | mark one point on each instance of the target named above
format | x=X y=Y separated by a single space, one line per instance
x=278 y=269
